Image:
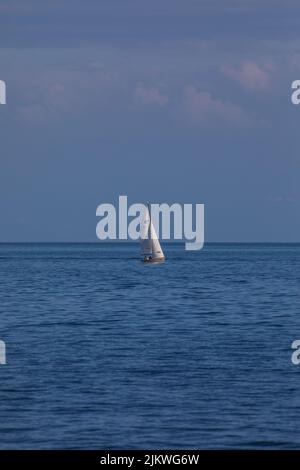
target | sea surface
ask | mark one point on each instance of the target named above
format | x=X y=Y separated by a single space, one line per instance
x=105 y=352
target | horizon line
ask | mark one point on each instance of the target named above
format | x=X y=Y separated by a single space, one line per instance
x=170 y=242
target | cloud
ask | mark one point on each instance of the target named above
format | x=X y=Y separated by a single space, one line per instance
x=283 y=199
x=249 y=75
x=148 y=95
x=201 y=108
x=57 y=24
x=61 y=93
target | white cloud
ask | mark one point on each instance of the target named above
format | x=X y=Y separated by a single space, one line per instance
x=201 y=108
x=150 y=95
x=250 y=75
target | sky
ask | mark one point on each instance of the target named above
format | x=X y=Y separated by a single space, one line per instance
x=163 y=101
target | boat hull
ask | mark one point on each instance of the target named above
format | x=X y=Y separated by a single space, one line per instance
x=154 y=260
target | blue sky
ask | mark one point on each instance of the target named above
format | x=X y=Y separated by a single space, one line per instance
x=167 y=101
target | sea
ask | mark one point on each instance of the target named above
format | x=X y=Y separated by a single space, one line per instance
x=106 y=352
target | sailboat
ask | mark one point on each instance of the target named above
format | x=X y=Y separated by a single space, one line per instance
x=150 y=246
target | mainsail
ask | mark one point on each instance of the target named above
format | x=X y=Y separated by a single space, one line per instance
x=149 y=241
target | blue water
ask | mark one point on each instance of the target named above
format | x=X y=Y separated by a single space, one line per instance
x=106 y=352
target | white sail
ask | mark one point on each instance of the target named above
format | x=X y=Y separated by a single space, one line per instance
x=156 y=248
x=146 y=245
x=149 y=241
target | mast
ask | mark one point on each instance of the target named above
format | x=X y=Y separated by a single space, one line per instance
x=150 y=224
